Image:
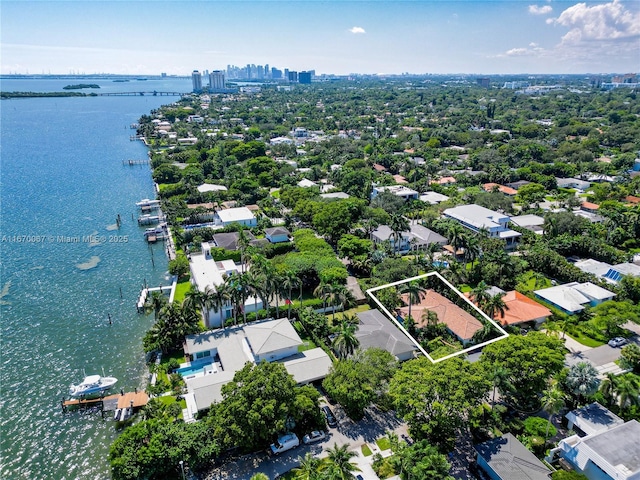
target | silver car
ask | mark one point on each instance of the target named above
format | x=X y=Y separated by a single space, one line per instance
x=315 y=436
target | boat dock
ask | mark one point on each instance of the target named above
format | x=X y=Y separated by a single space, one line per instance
x=148 y=219
x=144 y=293
x=135 y=162
x=129 y=402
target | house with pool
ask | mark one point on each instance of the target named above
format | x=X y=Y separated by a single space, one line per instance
x=215 y=356
x=206 y=272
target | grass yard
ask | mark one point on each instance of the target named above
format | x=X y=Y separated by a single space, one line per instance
x=351 y=311
x=383 y=443
x=307 y=344
x=182 y=288
x=578 y=335
x=366 y=451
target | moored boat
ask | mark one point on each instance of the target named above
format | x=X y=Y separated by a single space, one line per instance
x=92 y=385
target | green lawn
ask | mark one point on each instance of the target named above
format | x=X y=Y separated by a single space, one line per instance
x=351 y=311
x=307 y=344
x=366 y=451
x=585 y=340
x=383 y=443
x=182 y=288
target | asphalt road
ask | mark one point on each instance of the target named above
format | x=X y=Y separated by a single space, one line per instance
x=599 y=355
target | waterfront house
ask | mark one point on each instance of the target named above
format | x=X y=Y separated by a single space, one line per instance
x=215 y=356
x=573 y=297
x=206 y=272
x=210 y=187
x=240 y=215
x=476 y=218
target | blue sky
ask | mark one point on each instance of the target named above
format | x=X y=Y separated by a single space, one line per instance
x=331 y=36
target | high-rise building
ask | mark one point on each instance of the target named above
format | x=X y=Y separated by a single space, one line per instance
x=216 y=81
x=293 y=76
x=484 y=82
x=275 y=73
x=196 y=80
x=304 y=77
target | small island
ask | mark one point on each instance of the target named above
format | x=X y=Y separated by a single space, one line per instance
x=80 y=86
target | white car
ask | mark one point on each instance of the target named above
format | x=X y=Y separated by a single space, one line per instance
x=315 y=436
x=617 y=342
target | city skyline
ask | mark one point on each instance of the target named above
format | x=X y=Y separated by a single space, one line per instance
x=331 y=37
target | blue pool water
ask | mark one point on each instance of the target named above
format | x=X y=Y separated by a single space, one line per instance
x=439 y=263
x=193 y=369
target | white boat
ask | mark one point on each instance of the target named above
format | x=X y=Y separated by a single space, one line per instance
x=91 y=385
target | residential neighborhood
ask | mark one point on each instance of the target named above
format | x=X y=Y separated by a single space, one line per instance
x=388 y=295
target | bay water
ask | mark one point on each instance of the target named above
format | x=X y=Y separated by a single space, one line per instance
x=66 y=268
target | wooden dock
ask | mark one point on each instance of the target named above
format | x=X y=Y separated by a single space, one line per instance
x=110 y=402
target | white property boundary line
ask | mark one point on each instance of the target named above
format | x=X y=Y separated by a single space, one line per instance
x=401 y=327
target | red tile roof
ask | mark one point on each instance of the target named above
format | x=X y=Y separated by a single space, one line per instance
x=461 y=323
x=632 y=199
x=379 y=168
x=488 y=187
x=521 y=309
x=399 y=179
x=589 y=206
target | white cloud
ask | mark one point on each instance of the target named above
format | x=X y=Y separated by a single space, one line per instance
x=357 y=30
x=516 y=52
x=608 y=21
x=533 y=44
x=537 y=10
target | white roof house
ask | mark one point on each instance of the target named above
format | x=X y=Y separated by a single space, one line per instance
x=609 y=447
x=230 y=349
x=306 y=183
x=433 y=198
x=334 y=195
x=209 y=273
x=417 y=236
x=397 y=190
x=476 y=218
x=210 y=187
x=241 y=215
x=610 y=273
x=573 y=297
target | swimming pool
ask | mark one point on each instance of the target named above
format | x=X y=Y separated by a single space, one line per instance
x=196 y=370
x=439 y=263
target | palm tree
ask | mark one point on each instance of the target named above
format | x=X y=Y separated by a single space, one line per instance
x=582 y=380
x=484 y=333
x=338 y=295
x=495 y=305
x=255 y=286
x=609 y=388
x=193 y=300
x=480 y=295
x=154 y=303
x=552 y=403
x=415 y=293
x=323 y=291
x=471 y=250
x=309 y=468
x=501 y=378
x=259 y=476
x=339 y=463
x=216 y=299
x=398 y=224
x=628 y=391
x=345 y=341
x=457 y=236
x=289 y=282
x=235 y=293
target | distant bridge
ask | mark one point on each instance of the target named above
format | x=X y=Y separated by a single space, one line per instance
x=137 y=94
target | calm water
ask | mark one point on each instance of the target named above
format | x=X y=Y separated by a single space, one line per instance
x=61 y=176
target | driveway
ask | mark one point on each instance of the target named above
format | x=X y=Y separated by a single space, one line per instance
x=374 y=425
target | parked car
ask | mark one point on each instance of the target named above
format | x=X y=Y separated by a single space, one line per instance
x=331 y=418
x=617 y=342
x=284 y=443
x=314 y=436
